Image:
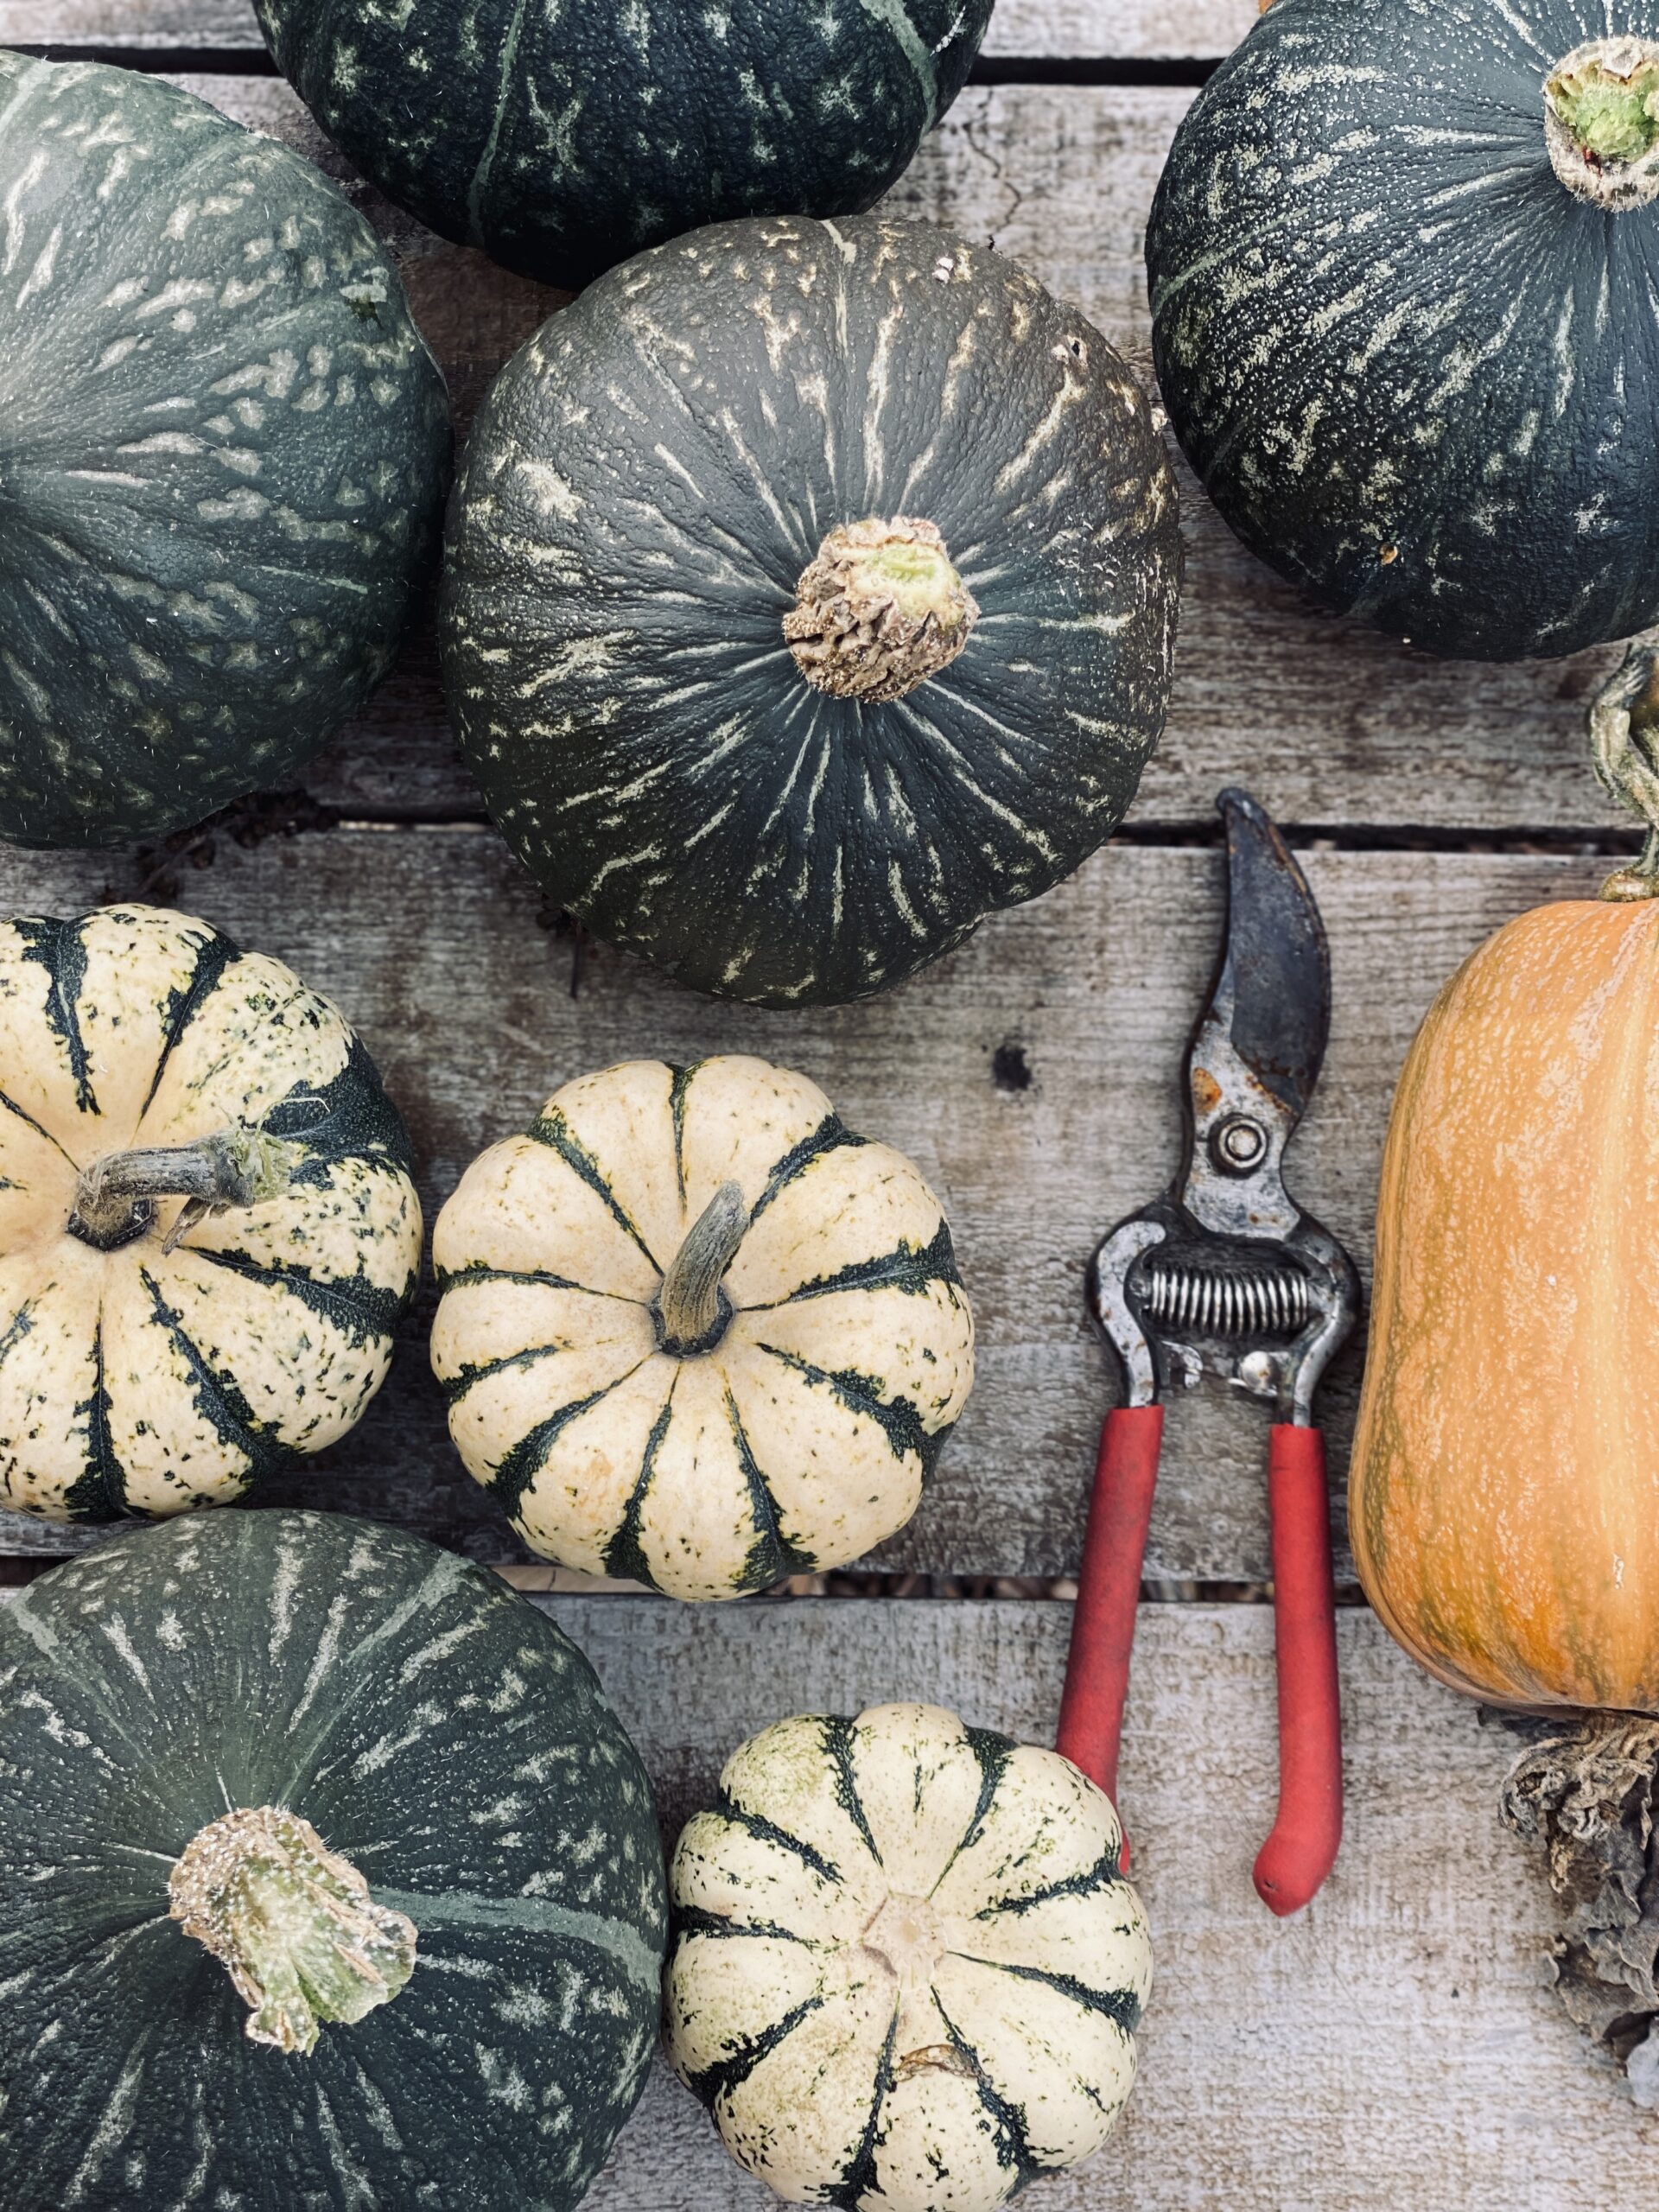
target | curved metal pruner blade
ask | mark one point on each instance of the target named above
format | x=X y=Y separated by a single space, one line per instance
x=1256 y=1054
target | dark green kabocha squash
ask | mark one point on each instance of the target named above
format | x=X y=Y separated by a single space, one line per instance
x=221 y=464
x=561 y=139
x=1404 y=261
x=810 y=593
x=327 y=1880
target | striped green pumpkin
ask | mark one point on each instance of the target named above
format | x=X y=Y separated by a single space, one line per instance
x=328 y=1879
x=226 y=449
x=207 y=1227
x=695 y=1332
x=907 y=1972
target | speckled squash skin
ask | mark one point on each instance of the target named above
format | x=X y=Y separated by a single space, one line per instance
x=563 y=138
x=840 y=1358
x=907 y=1971
x=224 y=453
x=1504 y=1495
x=1415 y=371
x=145 y=1380
x=441 y=1735
x=646 y=484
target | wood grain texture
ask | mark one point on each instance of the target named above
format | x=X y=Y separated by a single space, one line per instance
x=1121 y=29
x=1349 y=727
x=429 y=941
x=1395 y=2044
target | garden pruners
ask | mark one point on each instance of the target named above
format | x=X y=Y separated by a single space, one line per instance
x=1224 y=1273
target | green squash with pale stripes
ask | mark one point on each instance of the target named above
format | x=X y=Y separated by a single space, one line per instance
x=223 y=461
x=695 y=1332
x=907 y=1971
x=810 y=594
x=328 y=1879
x=561 y=138
x=207 y=1227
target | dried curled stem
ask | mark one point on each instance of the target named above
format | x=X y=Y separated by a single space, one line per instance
x=1625 y=749
x=1585 y=1793
x=691 y=1314
x=293 y=1922
x=116 y=1197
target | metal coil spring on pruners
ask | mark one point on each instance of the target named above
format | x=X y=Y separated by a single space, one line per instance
x=1213 y=1302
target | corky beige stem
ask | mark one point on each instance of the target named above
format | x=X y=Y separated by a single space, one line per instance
x=689 y=1309
x=1601 y=122
x=878 y=610
x=294 y=1923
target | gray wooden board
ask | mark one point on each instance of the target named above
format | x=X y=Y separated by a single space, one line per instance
x=1123 y=29
x=1393 y=2046
x=430 y=941
x=1351 y=728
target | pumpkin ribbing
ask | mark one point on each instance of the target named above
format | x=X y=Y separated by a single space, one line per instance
x=907 y=1969
x=675 y=494
x=1503 y=1497
x=224 y=452
x=695 y=1332
x=561 y=139
x=1403 y=321
x=208 y=1229
x=440 y=1737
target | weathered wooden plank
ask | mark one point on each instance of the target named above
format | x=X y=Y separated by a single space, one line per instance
x=1136 y=31
x=1393 y=2045
x=1348 y=727
x=429 y=939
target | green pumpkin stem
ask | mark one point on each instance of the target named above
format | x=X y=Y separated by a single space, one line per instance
x=1625 y=748
x=878 y=610
x=115 y=1198
x=1601 y=122
x=294 y=1923
x=691 y=1314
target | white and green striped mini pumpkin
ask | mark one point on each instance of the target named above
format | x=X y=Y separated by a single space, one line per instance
x=695 y=1332
x=207 y=1227
x=907 y=1971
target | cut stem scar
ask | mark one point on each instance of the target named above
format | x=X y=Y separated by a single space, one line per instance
x=1625 y=748
x=116 y=1197
x=292 y=1921
x=1601 y=122
x=878 y=610
x=691 y=1314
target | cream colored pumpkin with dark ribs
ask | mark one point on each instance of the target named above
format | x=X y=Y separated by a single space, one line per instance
x=695 y=1332
x=207 y=1228
x=907 y=1971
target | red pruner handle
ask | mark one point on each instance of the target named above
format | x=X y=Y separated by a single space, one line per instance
x=1109 y=1591
x=1308 y=1834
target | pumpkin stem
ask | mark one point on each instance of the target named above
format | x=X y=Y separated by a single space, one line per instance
x=115 y=1198
x=878 y=610
x=1624 y=747
x=294 y=1923
x=691 y=1314
x=1601 y=122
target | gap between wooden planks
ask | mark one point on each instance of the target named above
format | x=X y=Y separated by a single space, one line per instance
x=1033 y=1075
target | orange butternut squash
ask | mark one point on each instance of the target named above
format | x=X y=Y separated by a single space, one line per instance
x=1504 y=1492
